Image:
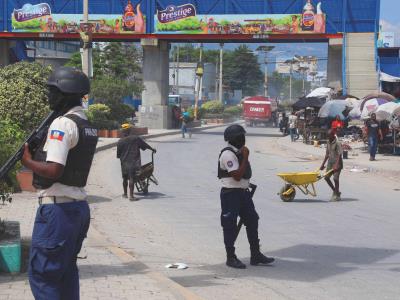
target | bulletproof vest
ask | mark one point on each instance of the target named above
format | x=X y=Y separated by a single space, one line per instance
x=224 y=173
x=79 y=160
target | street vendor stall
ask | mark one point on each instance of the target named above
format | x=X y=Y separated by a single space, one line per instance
x=389 y=113
x=308 y=124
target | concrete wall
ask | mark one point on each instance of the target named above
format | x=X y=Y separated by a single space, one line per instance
x=361 y=74
x=334 y=72
x=4 y=53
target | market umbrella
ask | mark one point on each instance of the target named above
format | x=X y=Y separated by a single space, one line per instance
x=321 y=92
x=371 y=106
x=308 y=102
x=386 y=111
x=381 y=95
x=333 y=108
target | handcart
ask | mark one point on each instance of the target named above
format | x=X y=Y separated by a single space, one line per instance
x=304 y=181
x=146 y=176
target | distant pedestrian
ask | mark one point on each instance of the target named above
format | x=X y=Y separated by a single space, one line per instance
x=374 y=133
x=293 y=126
x=128 y=151
x=186 y=119
x=335 y=163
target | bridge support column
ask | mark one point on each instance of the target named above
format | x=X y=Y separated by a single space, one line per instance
x=334 y=72
x=361 y=73
x=154 y=111
x=4 y=53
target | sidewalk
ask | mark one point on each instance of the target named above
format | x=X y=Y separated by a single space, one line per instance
x=104 y=274
x=106 y=271
x=106 y=143
x=358 y=160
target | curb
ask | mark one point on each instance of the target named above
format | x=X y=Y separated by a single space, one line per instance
x=156 y=135
x=372 y=169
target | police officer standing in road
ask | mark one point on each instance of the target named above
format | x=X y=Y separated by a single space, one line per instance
x=234 y=171
x=61 y=167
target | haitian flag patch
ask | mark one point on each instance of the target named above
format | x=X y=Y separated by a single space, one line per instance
x=57 y=135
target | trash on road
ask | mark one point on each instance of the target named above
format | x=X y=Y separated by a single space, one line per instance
x=357 y=170
x=179 y=266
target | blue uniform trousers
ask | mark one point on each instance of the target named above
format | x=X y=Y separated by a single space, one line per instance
x=57 y=237
x=238 y=203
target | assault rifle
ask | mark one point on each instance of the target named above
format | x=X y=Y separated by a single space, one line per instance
x=33 y=140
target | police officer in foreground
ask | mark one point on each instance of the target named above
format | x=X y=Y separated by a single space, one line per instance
x=234 y=171
x=61 y=167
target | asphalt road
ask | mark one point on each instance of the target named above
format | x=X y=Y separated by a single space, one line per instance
x=323 y=250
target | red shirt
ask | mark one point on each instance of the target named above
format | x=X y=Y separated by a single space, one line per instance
x=337 y=124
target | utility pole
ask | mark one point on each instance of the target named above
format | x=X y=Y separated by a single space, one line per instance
x=216 y=79
x=221 y=56
x=177 y=71
x=173 y=70
x=290 y=80
x=265 y=49
x=86 y=42
x=199 y=76
x=265 y=75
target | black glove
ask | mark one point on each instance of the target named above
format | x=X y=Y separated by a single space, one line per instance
x=154 y=150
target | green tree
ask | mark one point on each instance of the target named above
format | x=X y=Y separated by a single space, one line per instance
x=121 y=60
x=110 y=91
x=242 y=71
x=115 y=59
x=11 y=137
x=188 y=53
x=115 y=68
x=23 y=94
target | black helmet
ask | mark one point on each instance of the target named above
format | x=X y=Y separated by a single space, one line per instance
x=233 y=131
x=70 y=81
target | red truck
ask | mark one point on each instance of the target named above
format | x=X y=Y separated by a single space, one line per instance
x=259 y=109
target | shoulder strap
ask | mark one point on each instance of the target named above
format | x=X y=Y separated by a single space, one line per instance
x=75 y=118
x=227 y=149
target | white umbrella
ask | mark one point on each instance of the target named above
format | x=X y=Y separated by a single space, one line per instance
x=321 y=92
x=371 y=106
x=333 y=108
x=386 y=111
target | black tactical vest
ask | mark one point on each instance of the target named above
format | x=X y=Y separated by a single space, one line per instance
x=79 y=160
x=224 y=173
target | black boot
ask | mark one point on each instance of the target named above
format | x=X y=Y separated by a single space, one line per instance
x=257 y=257
x=232 y=260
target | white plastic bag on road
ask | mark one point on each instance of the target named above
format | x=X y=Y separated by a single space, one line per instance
x=179 y=266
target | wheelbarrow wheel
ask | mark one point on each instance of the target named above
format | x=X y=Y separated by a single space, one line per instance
x=285 y=196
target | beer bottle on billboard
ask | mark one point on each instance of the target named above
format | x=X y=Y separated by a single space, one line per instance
x=308 y=18
x=128 y=19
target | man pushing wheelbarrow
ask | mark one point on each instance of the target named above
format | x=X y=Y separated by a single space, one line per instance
x=304 y=181
x=335 y=163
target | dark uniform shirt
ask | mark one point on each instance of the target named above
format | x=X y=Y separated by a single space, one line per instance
x=128 y=151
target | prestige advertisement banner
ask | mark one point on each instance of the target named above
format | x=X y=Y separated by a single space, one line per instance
x=183 y=19
x=39 y=18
